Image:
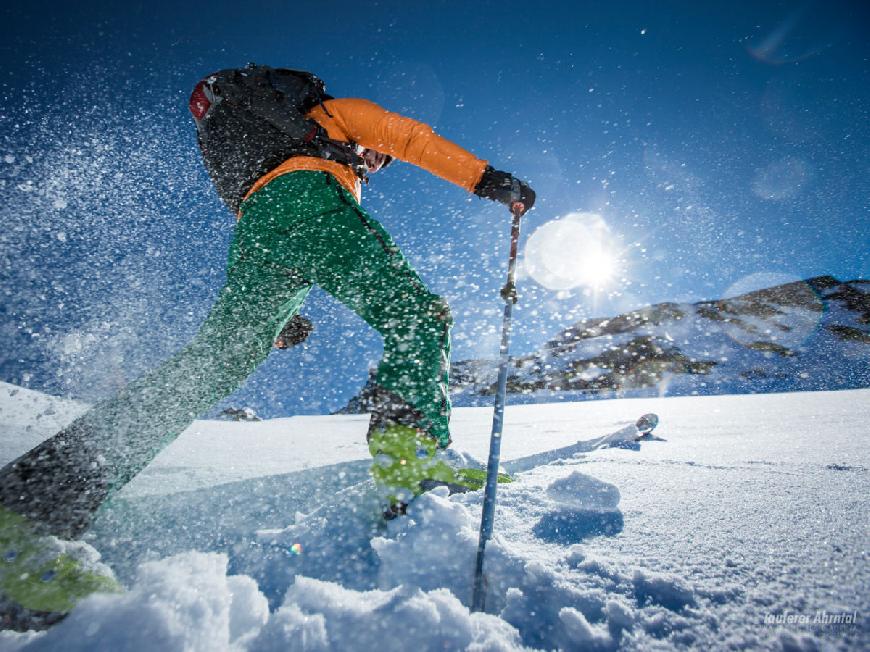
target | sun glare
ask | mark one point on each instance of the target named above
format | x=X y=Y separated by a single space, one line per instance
x=576 y=250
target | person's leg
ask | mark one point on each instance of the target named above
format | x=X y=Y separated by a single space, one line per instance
x=351 y=256
x=60 y=484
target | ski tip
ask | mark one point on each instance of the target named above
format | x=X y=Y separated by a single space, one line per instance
x=647 y=423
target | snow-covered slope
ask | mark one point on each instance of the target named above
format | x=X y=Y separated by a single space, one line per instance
x=743 y=514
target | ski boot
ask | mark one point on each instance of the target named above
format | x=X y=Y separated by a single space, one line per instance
x=645 y=425
x=42 y=577
x=407 y=463
x=404 y=457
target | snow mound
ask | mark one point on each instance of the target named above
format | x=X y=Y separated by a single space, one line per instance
x=581 y=491
x=188 y=603
x=669 y=591
x=434 y=548
x=437 y=532
x=581 y=633
x=326 y=616
x=185 y=603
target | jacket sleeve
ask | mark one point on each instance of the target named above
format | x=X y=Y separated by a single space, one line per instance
x=373 y=127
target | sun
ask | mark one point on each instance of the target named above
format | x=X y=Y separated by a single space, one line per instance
x=595 y=267
x=576 y=250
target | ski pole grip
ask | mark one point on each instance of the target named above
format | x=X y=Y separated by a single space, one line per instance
x=517 y=206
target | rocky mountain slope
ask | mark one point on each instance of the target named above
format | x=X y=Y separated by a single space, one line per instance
x=807 y=335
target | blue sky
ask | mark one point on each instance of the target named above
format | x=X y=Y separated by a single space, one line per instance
x=722 y=145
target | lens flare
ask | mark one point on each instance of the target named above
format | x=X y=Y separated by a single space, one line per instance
x=576 y=250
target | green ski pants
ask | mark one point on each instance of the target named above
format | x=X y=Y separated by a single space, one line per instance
x=301 y=229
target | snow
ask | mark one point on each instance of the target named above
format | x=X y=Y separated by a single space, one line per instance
x=582 y=491
x=186 y=602
x=733 y=527
x=325 y=616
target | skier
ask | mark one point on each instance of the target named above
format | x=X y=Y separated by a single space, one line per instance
x=300 y=223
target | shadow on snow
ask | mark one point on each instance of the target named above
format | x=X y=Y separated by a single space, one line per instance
x=330 y=513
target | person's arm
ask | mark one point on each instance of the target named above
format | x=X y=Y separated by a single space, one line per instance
x=409 y=140
x=373 y=127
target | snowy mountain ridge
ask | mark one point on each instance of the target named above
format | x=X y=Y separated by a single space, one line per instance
x=802 y=336
x=807 y=335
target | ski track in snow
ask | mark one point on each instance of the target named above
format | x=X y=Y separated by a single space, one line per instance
x=266 y=536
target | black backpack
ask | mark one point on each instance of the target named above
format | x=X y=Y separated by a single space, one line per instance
x=250 y=120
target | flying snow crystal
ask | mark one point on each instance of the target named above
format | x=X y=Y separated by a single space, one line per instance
x=575 y=250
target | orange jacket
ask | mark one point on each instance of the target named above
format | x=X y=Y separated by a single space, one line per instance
x=367 y=124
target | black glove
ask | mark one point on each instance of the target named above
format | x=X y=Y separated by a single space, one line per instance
x=499 y=186
x=294 y=332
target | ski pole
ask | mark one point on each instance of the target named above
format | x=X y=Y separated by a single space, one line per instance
x=509 y=294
